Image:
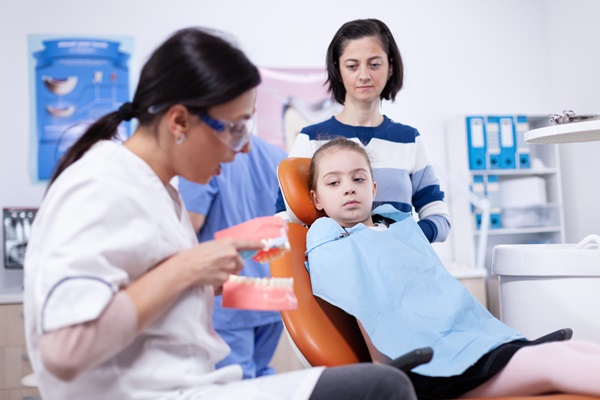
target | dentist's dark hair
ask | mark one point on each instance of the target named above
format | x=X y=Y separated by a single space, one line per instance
x=358 y=29
x=196 y=67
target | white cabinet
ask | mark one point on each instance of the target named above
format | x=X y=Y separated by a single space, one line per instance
x=525 y=192
x=14 y=364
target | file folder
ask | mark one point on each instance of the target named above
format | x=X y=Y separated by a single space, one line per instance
x=492 y=189
x=523 y=156
x=492 y=136
x=507 y=143
x=478 y=188
x=476 y=142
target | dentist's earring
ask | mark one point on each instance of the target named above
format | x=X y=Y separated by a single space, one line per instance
x=180 y=139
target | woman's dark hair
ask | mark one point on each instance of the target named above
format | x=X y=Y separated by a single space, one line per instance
x=359 y=29
x=198 y=68
x=337 y=143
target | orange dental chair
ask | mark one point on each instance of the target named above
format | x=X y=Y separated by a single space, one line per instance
x=323 y=334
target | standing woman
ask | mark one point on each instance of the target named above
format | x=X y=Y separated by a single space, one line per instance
x=118 y=292
x=364 y=68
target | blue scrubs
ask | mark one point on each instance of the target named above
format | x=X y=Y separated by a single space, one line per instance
x=245 y=189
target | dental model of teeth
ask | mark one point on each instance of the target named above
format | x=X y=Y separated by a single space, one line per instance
x=270 y=231
x=274 y=248
x=259 y=293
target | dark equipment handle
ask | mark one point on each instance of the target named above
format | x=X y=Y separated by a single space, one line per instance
x=413 y=359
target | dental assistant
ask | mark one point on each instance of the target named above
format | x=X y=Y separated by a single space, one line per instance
x=245 y=189
x=118 y=292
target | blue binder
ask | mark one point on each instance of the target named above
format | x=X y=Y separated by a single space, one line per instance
x=478 y=188
x=523 y=156
x=492 y=140
x=476 y=142
x=492 y=189
x=508 y=148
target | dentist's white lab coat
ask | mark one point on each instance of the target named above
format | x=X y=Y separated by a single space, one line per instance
x=106 y=221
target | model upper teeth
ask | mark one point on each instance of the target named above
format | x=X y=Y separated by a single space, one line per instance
x=279 y=242
x=270 y=282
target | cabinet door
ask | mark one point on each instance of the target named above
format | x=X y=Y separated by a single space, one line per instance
x=14 y=364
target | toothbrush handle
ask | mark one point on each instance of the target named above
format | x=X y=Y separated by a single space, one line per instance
x=248 y=253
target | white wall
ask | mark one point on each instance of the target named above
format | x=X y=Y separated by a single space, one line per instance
x=461 y=56
x=572 y=34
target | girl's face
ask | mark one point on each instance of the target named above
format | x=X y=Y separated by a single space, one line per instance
x=364 y=69
x=204 y=149
x=344 y=187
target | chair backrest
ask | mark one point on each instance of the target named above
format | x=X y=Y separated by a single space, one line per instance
x=324 y=334
x=293 y=180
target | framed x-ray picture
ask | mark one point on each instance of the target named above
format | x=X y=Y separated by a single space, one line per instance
x=16 y=230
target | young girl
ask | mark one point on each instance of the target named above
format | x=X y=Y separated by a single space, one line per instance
x=379 y=267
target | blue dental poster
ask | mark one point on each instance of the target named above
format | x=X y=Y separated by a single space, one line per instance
x=75 y=80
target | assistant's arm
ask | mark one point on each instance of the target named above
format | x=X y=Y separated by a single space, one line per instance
x=198 y=200
x=197 y=220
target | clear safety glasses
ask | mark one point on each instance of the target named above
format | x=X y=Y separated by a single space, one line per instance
x=235 y=135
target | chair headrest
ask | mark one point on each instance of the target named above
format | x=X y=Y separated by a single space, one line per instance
x=293 y=179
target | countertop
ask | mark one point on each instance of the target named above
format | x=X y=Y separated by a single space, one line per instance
x=11 y=297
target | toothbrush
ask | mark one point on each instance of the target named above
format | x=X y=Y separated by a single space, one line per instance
x=270 y=231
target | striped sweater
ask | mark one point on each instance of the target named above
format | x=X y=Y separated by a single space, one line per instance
x=401 y=168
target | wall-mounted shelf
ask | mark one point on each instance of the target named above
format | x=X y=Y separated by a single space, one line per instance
x=522 y=231
x=584 y=131
x=542 y=162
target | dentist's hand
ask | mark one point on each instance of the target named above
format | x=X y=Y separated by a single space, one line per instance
x=208 y=263
x=212 y=262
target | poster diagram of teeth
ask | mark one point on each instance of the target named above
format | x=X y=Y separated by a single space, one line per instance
x=289 y=99
x=77 y=80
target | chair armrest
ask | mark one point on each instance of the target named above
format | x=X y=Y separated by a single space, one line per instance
x=413 y=359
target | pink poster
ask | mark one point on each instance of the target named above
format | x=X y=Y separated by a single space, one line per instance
x=289 y=99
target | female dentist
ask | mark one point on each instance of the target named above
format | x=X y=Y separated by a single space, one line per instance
x=118 y=292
